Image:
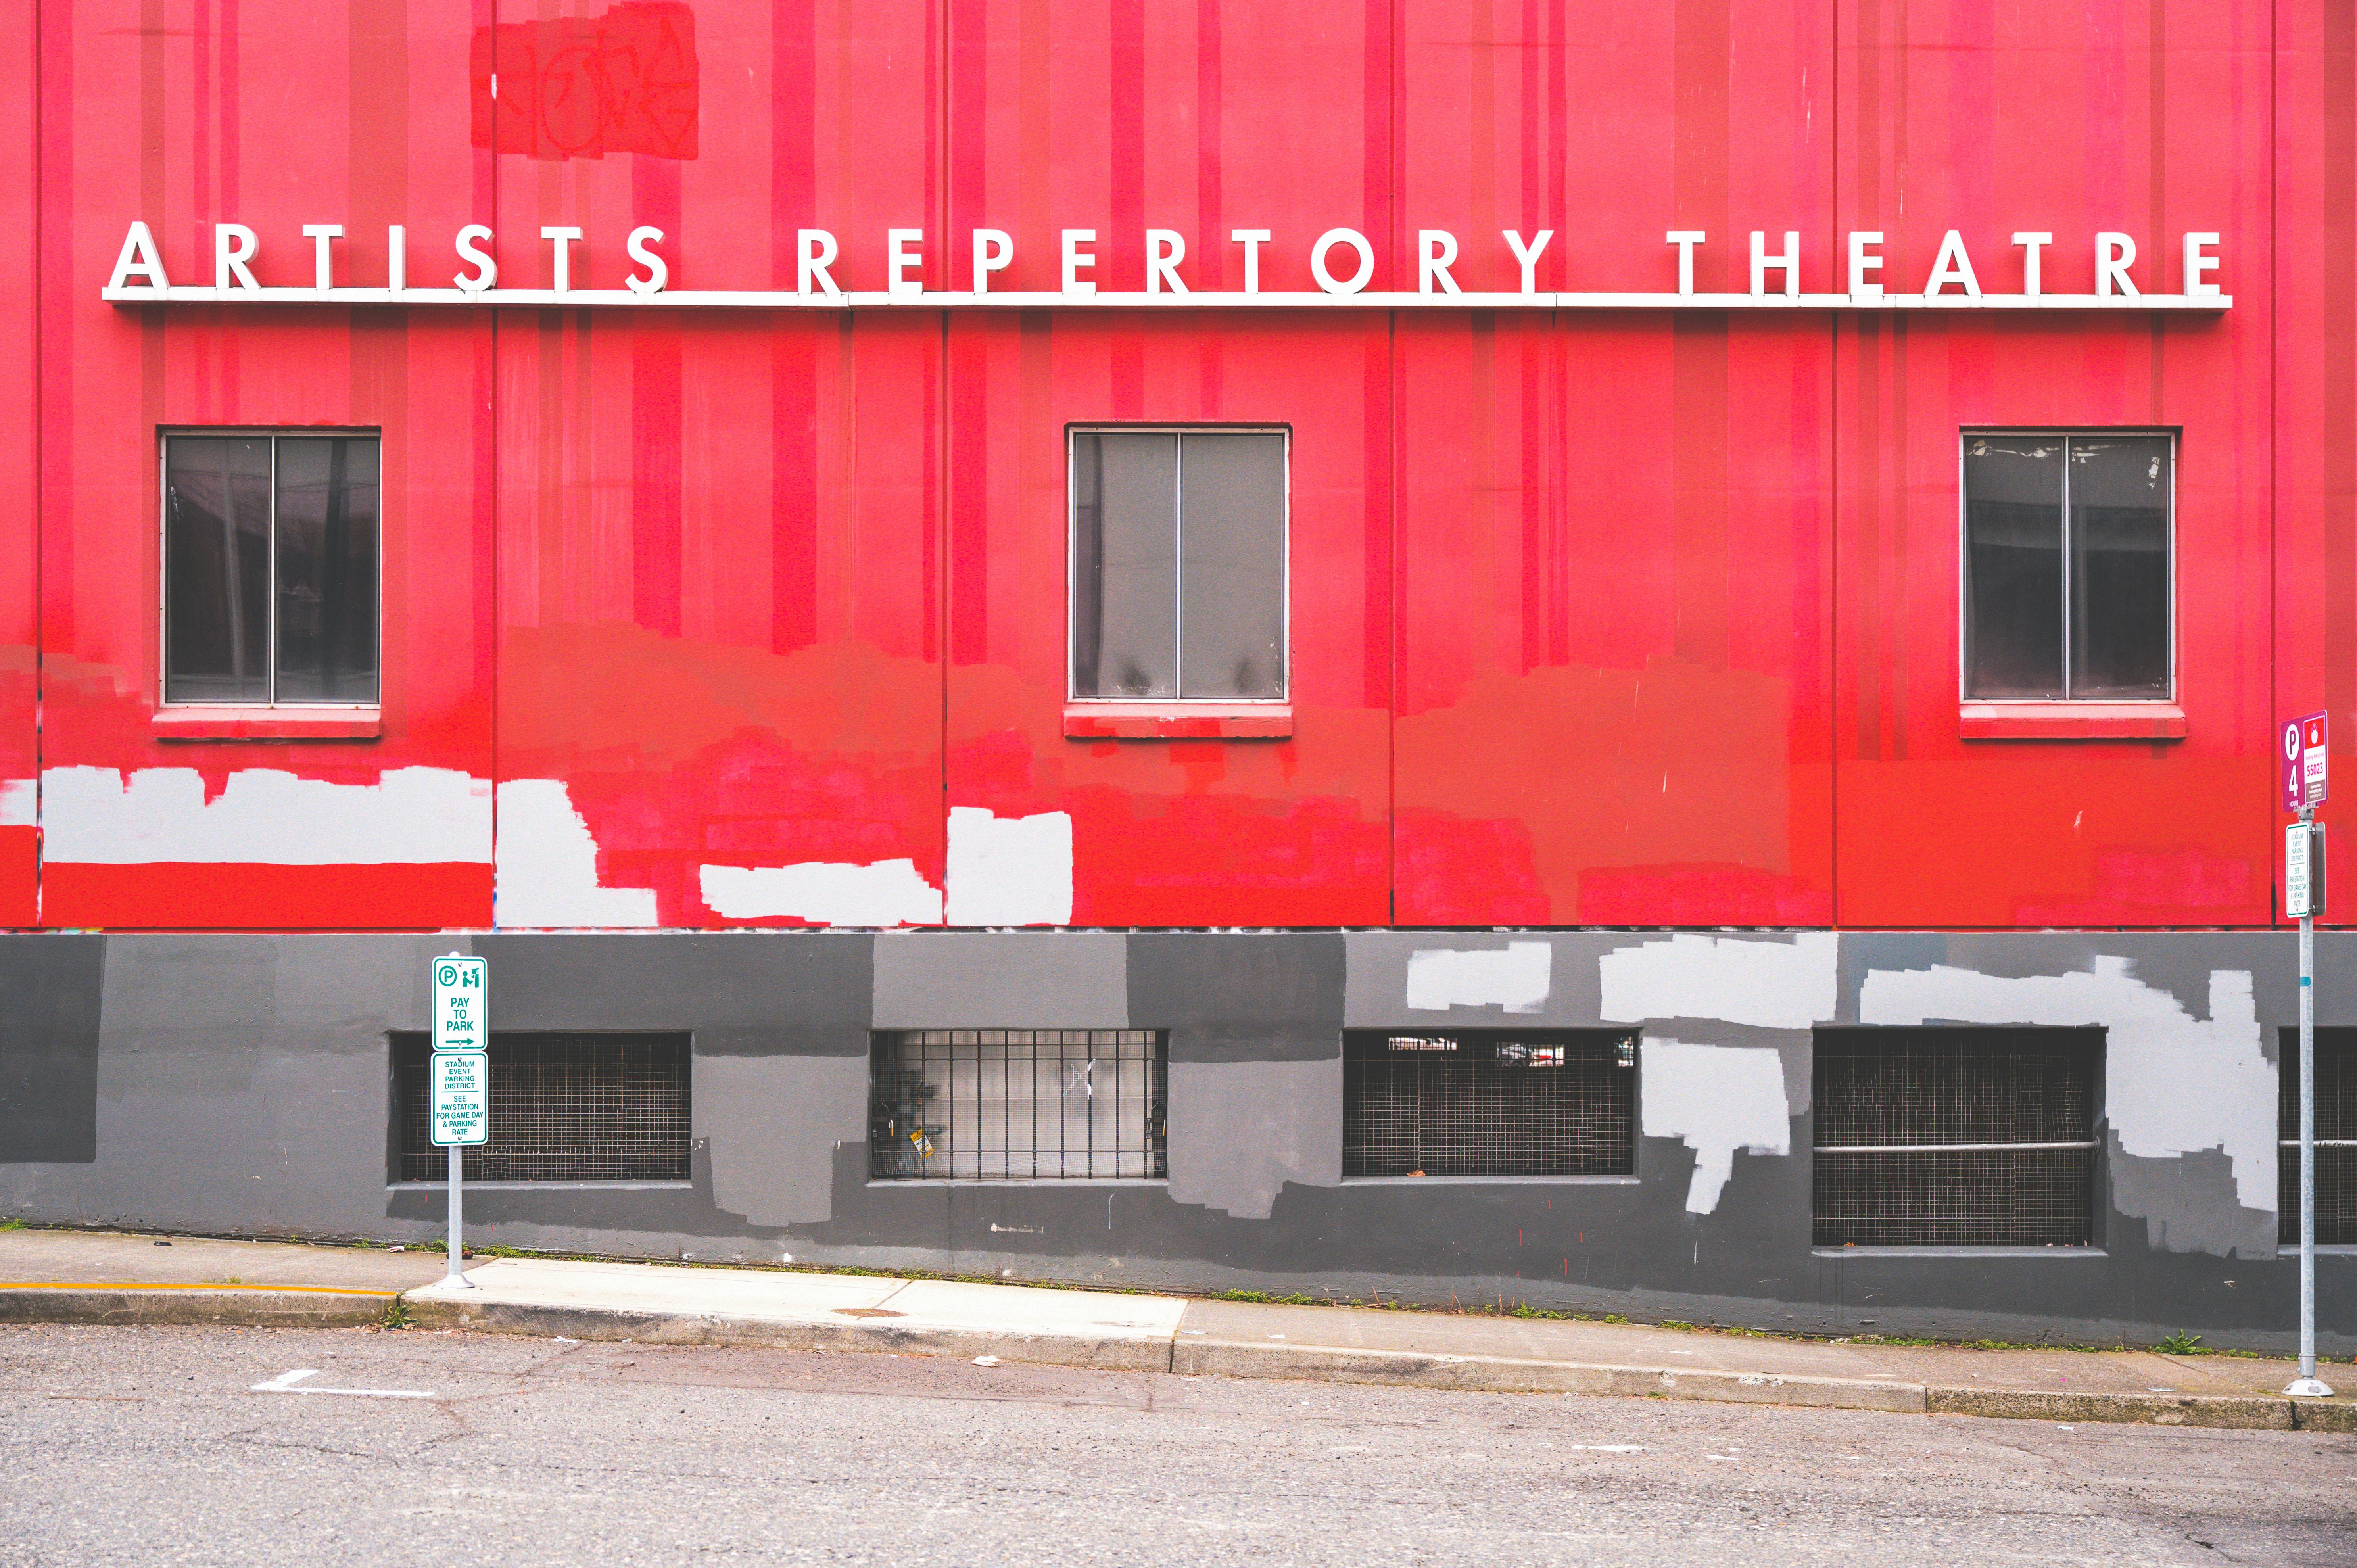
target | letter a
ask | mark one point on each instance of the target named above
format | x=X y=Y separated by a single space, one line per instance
x=139 y=256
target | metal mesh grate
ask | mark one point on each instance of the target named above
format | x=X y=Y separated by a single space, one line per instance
x=1956 y=1137
x=1019 y=1104
x=563 y=1108
x=1489 y=1103
x=2336 y=1138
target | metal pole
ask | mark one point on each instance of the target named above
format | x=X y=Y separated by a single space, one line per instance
x=2307 y=1383
x=454 y=1279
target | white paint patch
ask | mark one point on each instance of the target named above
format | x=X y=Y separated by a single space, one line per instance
x=1718 y=1099
x=547 y=872
x=284 y=1383
x=825 y=893
x=1514 y=977
x=20 y=803
x=1009 y=870
x=1734 y=980
x=2173 y=1084
x=264 y=816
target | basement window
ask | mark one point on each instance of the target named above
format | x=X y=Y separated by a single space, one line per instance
x=1488 y=1102
x=1956 y=1137
x=569 y=1108
x=1018 y=1105
x=2336 y=1139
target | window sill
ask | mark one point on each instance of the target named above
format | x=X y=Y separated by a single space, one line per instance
x=2071 y=721
x=1171 y=721
x=1489 y=1181
x=1977 y=1253
x=474 y=1186
x=258 y=722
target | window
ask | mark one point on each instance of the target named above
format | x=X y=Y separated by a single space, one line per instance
x=563 y=1108
x=1488 y=1102
x=1179 y=565
x=2067 y=576
x=270 y=567
x=2336 y=1139
x=1956 y=1137
x=1018 y=1105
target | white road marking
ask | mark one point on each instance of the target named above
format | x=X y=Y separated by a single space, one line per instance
x=1608 y=1447
x=284 y=1383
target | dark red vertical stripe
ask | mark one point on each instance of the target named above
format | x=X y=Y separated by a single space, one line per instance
x=1124 y=247
x=1379 y=157
x=655 y=391
x=2332 y=310
x=793 y=84
x=969 y=444
x=793 y=339
x=1207 y=259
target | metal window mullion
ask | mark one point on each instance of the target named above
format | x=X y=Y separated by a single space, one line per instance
x=2067 y=573
x=1945 y=1148
x=270 y=650
x=1178 y=564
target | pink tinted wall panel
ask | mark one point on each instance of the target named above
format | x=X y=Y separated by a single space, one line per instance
x=719 y=680
x=184 y=116
x=1614 y=536
x=1202 y=119
x=1989 y=122
x=2315 y=349
x=20 y=471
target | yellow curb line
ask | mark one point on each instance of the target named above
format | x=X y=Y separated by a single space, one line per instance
x=144 y=1285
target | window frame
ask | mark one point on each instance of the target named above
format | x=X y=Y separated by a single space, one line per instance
x=1154 y=1151
x=1283 y=702
x=165 y=705
x=1628 y=1042
x=1965 y=435
x=2093 y=1042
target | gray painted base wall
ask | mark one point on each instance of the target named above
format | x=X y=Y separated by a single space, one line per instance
x=240 y=1085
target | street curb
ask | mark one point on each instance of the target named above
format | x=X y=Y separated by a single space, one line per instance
x=2247 y=1413
x=246 y=1307
x=1107 y=1355
x=1504 y=1374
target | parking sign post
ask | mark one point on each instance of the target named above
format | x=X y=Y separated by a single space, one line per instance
x=2303 y=759
x=459 y=1101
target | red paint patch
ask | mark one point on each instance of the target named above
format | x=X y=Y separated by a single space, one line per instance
x=582 y=87
x=244 y=897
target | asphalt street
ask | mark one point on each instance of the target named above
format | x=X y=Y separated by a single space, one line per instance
x=155 y=1446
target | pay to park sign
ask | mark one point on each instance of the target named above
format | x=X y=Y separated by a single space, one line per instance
x=461 y=1004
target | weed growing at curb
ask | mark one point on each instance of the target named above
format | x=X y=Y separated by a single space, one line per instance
x=2181 y=1344
x=396 y=1315
x=12 y=1223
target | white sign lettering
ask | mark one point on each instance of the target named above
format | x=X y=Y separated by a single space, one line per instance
x=1342 y=263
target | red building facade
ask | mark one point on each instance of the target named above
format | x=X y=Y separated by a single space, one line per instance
x=1608 y=608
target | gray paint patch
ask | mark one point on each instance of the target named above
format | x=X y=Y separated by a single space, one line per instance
x=960 y=980
x=1717 y=1099
x=773 y=1124
x=743 y=993
x=1235 y=997
x=49 y=1015
x=1241 y=1130
x=1765 y=982
x=1376 y=995
x=2189 y=1204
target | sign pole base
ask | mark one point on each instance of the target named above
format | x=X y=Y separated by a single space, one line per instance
x=2308 y=1389
x=454 y=1279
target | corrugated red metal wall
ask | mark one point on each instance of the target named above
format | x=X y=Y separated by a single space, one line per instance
x=1621 y=619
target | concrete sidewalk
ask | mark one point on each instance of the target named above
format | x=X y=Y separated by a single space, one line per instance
x=78 y=1276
